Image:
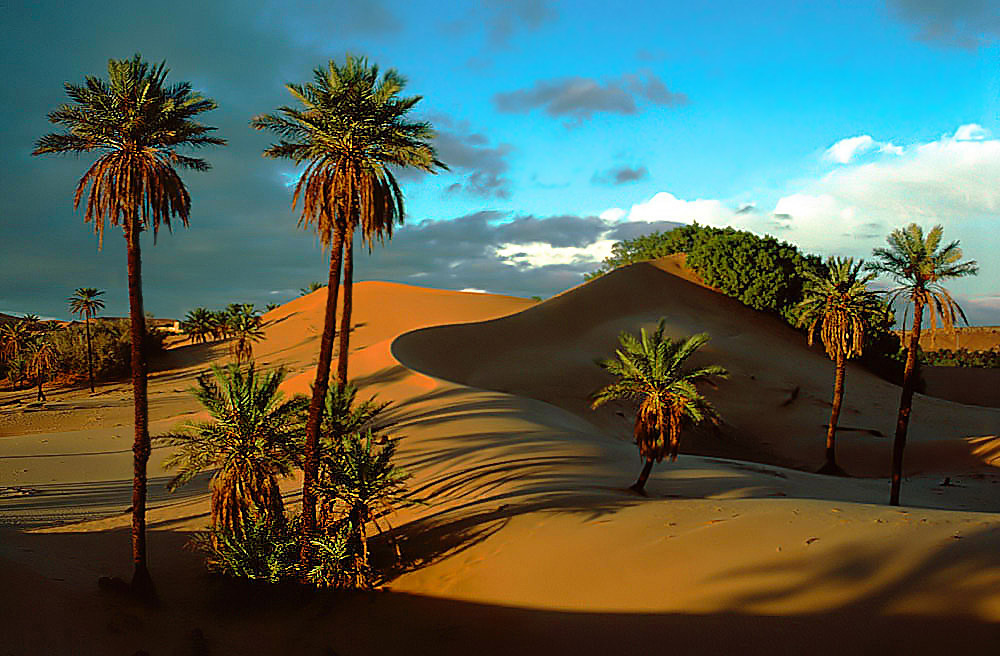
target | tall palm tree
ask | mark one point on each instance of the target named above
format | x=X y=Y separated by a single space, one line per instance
x=918 y=264
x=135 y=121
x=349 y=131
x=651 y=374
x=85 y=303
x=250 y=441
x=842 y=309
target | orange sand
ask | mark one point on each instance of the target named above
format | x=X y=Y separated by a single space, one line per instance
x=530 y=542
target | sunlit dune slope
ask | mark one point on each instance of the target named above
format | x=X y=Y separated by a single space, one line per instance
x=775 y=404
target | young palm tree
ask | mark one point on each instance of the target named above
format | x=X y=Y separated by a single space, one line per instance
x=350 y=130
x=136 y=122
x=251 y=440
x=842 y=309
x=85 y=303
x=368 y=484
x=310 y=288
x=918 y=265
x=245 y=331
x=651 y=373
x=41 y=359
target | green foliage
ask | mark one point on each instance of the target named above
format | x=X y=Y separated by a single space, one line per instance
x=311 y=287
x=760 y=272
x=263 y=551
x=112 y=348
x=250 y=442
x=650 y=373
x=960 y=358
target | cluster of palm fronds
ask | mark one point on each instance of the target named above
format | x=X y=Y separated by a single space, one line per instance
x=254 y=438
x=238 y=322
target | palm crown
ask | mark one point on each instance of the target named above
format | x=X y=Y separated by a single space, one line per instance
x=85 y=302
x=651 y=373
x=136 y=122
x=839 y=306
x=350 y=130
x=250 y=439
x=918 y=265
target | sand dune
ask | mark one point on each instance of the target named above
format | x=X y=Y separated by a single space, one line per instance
x=529 y=541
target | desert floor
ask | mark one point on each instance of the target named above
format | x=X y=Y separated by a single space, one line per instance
x=530 y=541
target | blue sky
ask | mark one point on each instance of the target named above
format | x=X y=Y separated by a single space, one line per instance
x=567 y=125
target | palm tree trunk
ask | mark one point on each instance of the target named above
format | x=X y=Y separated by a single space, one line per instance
x=675 y=436
x=310 y=468
x=639 y=486
x=830 y=466
x=905 y=405
x=41 y=396
x=142 y=583
x=361 y=548
x=345 y=318
x=90 y=357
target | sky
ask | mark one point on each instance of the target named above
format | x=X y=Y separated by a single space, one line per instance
x=566 y=126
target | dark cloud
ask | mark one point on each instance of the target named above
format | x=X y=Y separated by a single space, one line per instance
x=620 y=175
x=961 y=23
x=580 y=98
x=502 y=20
x=510 y=16
x=461 y=253
x=480 y=168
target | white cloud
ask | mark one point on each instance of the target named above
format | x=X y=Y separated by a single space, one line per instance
x=538 y=254
x=971 y=132
x=847 y=150
x=664 y=206
x=613 y=214
x=953 y=181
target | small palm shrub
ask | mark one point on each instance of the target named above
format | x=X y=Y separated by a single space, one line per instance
x=264 y=550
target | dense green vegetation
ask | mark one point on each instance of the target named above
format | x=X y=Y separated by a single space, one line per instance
x=111 y=346
x=960 y=358
x=760 y=272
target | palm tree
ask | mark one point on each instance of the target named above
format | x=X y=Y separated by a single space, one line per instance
x=250 y=441
x=841 y=308
x=310 y=288
x=369 y=484
x=651 y=374
x=918 y=265
x=350 y=130
x=85 y=303
x=136 y=122
x=245 y=331
x=14 y=340
x=198 y=325
x=41 y=359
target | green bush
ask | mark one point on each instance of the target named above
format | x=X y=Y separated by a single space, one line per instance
x=112 y=348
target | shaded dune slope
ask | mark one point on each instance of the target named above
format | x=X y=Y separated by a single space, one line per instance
x=775 y=404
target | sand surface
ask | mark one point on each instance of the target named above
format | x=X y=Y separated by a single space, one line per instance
x=530 y=541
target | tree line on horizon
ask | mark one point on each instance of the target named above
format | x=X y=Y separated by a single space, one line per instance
x=349 y=130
